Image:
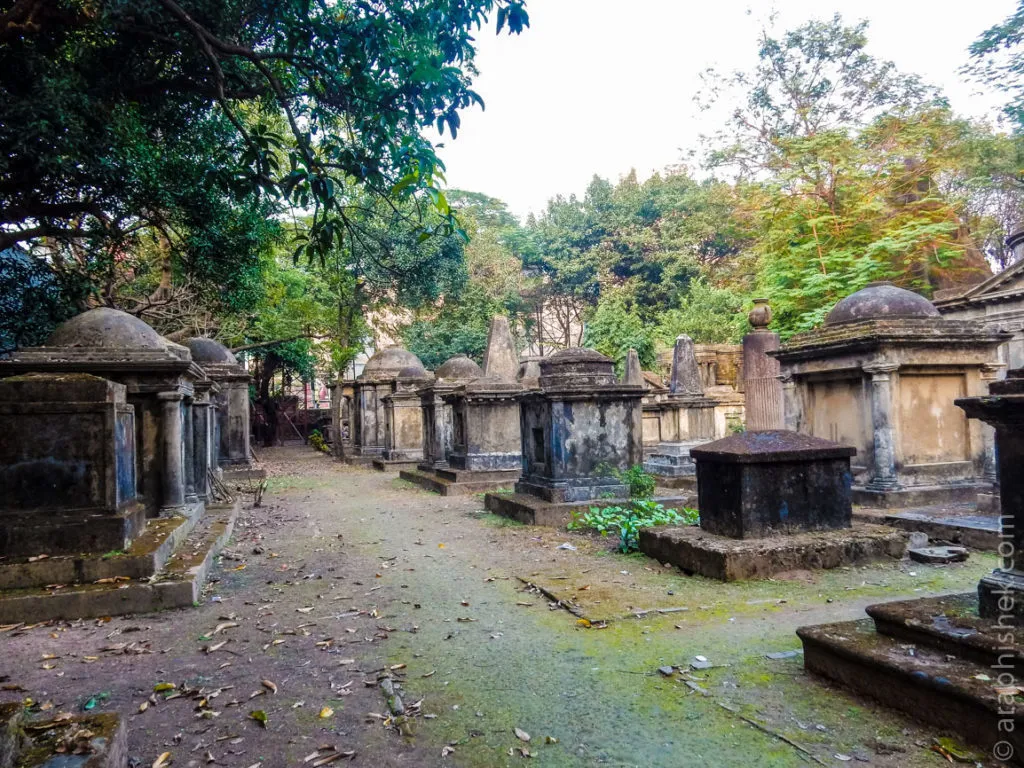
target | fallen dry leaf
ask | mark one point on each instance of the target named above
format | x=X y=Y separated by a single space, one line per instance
x=163 y=760
x=272 y=687
x=326 y=712
x=521 y=734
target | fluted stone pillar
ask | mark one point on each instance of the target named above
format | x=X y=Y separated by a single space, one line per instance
x=761 y=384
x=883 y=475
x=173 y=451
x=203 y=457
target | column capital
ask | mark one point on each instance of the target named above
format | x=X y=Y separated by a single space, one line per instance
x=881 y=371
x=170 y=396
x=990 y=371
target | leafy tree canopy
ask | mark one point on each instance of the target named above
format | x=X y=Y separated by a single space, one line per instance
x=196 y=120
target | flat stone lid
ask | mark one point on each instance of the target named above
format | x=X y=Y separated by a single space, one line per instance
x=770 y=446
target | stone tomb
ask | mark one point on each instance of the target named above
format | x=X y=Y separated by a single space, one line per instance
x=963 y=648
x=579 y=429
x=231 y=444
x=68 y=491
x=881 y=375
x=677 y=420
x=771 y=501
x=471 y=421
x=377 y=381
x=403 y=421
x=153 y=407
x=163 y=384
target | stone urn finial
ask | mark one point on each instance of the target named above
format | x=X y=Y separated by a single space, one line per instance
x=760 y=315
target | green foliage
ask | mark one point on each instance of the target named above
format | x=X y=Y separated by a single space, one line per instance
x=317 y=441
x=997 y=60
x=613 y=330
x=458 y=327
x=198 y=124
x=640 y=482
x=707 y=314
x=32 y=301
x=627 y=521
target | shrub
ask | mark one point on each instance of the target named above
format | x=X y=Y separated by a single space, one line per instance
x=628 y=520
x=318 y=442
x=640 y=482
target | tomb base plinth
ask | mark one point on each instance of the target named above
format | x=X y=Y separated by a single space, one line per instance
x=918 y=495
x=671 y=460
x=533 y=510
x=68 y=533
x=41 y=742
x=728 y=559
x=460 y=482
x=1001 y=596
x=394 y=465
x=164 y=567
x=935 y=659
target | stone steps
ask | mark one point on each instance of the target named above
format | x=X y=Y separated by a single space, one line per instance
x=929 y=684
x=177 y=585
x=434 y=482
x=146 y=556
x=532 y=510
x=949 y=624
x=508 y=476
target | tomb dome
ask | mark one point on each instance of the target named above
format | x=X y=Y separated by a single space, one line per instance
x=413 y=372
x=881 y=301
x=107 y=328
x=392 y=360
x=458 y=368
x=206 y=350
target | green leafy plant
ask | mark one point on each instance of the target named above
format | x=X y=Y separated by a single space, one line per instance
x=628 y=520
x=317 y=441
x=640 y=482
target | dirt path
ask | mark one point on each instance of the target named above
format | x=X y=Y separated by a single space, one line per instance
x=344 y=573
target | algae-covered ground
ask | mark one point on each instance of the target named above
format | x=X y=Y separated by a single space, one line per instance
x=345 y=572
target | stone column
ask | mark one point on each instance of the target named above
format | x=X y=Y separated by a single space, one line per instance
x=173 y=444
x=883 y=473
x=761 y=383
x=790 y=403
x=189 y=435
x=990 y=373
x=1001 y=593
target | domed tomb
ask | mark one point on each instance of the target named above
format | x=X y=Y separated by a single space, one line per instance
x=458 y=368
x=106 y=328
x=881 y=301
x=388 y=362
x=167 y=390
x=372 y=388
x=206 y=350
x=881 y=374
x=232 y=426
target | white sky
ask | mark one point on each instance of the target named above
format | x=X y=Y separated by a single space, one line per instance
x=602 y=86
